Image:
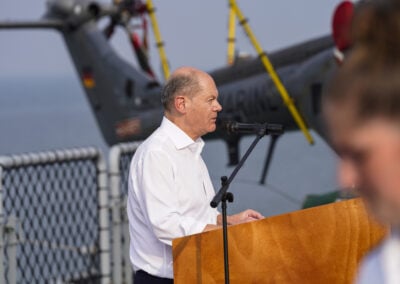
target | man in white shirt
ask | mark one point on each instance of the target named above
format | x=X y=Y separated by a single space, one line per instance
x=170 y=189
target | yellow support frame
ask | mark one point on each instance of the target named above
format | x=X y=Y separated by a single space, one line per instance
x=288 y=101
x=231 y=36
x=157 y=36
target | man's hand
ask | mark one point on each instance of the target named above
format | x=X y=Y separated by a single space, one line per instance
x=242 y=217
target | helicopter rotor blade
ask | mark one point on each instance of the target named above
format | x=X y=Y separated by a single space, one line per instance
x=121 y=13
x=51 y=24
x=140 y=52
x=108 y=31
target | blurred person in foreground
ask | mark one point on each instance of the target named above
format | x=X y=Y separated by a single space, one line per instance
x=170 y=190
x=362 y=110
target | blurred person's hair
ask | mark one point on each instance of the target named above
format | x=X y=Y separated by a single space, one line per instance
x=369 y=79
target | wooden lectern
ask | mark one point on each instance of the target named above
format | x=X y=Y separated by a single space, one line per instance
x=323 y=244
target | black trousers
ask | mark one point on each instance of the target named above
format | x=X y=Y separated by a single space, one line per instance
x=142 y=277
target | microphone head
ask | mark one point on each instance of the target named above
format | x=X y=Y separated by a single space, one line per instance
x=241 y=128
x=252 y=128
x=226 y=126
x=231 y=127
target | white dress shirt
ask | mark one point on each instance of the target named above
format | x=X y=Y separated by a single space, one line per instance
x=169 y=195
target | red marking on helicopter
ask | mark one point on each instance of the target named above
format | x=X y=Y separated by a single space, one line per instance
x=88 y=80
x=128 y=127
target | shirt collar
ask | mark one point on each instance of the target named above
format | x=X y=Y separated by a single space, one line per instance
x=180 y=139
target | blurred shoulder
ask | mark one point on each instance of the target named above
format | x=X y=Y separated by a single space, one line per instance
x=370 y=269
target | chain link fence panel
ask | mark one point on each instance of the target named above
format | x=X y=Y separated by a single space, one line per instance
x=54 y=215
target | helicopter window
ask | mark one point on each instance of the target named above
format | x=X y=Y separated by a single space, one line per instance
x=129 y=85
x=152 y=84
x=316 y=91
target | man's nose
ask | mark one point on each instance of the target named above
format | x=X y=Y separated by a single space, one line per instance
x=218 y=107
x=347 y=174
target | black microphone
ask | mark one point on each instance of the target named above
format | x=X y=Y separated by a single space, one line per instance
x=253 y=128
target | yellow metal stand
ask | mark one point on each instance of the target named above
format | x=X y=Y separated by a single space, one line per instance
x=271 y=71
x=157 y=36
x=231 y=36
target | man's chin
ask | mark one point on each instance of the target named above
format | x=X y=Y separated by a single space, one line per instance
x=387 y=213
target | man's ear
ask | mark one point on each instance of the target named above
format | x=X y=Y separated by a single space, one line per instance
x=180 y=104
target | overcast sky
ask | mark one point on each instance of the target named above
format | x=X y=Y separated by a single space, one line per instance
x=195 y=33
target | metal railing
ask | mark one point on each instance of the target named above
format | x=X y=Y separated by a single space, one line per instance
x=119 y=160
x=63 y=217
x=54 y=217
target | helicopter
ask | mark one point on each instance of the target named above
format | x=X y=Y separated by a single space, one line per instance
x=125 y=99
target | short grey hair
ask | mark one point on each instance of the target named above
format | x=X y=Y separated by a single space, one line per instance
x=179 y=84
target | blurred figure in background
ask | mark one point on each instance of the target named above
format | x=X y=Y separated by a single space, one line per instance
x=362 y=110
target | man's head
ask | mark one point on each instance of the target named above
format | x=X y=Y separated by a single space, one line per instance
x=362 y=109
x=190 y=101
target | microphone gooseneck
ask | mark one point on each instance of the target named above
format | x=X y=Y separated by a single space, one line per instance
x=253 y=128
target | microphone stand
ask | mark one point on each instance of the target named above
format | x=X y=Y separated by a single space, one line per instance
x=223 y=195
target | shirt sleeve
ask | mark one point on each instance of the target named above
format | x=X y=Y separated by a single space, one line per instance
x=159 y=196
